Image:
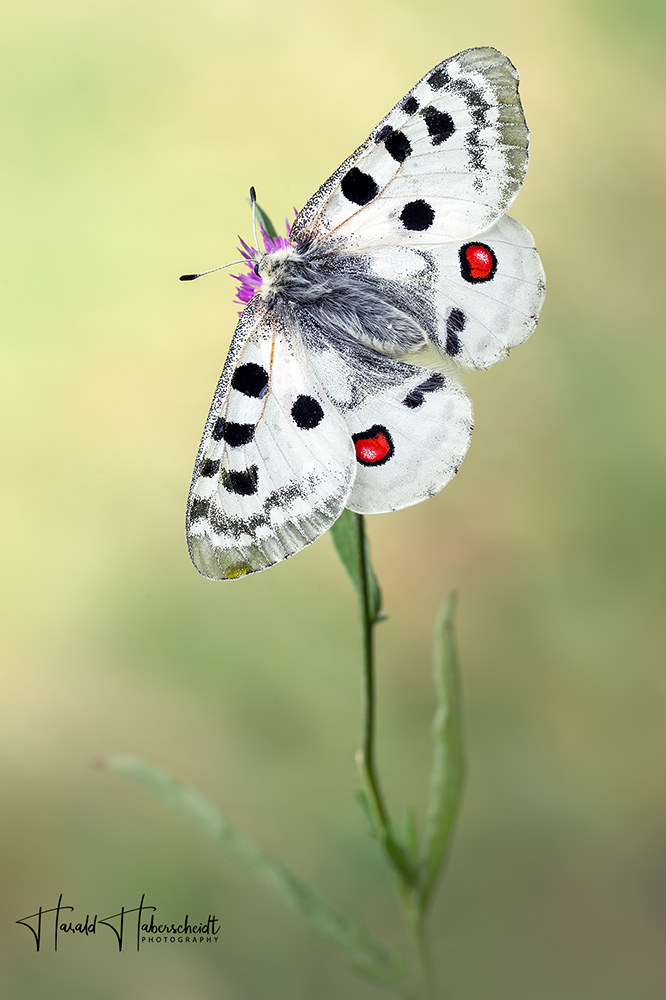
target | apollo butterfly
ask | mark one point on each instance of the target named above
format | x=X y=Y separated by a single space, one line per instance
x=339 y=388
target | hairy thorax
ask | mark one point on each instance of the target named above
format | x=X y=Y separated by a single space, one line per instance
x=344 y=299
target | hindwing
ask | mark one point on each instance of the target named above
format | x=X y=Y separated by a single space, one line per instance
x=483 y=295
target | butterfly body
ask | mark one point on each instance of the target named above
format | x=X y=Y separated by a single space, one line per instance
x=343 y=300
x=339 y=386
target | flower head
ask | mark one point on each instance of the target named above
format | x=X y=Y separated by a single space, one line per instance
x=250 y=282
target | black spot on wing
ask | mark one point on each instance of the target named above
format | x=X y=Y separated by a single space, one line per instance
x=383 y=132
x=478 y=109
x=439 y=124
x=433 y=383
x=455 y=324
x=472 y=94
x=200 y=508
x=417 y=215
x=397 y=145
x=477 y=156
x=358 y=187
x=415 y=398
x=307 y=413
x=410 y=106
x=226 y=524
x=439 y=78
x=234 y=434
x=243 y=483
x=251 y=380
x=209 y=467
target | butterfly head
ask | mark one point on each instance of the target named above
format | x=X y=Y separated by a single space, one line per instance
x=253 y=281
x=272 y=269
x=264 y=270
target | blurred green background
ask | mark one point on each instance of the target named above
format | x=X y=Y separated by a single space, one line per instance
x=131 y=132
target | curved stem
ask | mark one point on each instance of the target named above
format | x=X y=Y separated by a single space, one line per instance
x=352 y=546
x=412 y=908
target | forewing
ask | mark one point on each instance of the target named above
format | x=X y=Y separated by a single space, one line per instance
x=481 y=297
x=276 y=463
x=444 y=164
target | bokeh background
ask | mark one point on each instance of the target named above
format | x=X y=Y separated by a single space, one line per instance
x=131 y=131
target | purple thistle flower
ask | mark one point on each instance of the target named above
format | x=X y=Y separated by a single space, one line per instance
x=250 y=283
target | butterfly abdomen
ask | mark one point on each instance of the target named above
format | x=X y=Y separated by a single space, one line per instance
x=371 y=313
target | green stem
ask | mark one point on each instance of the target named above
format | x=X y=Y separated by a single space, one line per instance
x=411 y=905
x=368 y=622
x=417 y=924
x=415 y=867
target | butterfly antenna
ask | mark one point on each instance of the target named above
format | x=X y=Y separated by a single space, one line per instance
x=191 y=277
x=253 y=201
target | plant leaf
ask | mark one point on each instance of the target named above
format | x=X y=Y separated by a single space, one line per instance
x=448 y=763
x=268 y=225
x=400 y=857
x=366 y=954
x=352 y=546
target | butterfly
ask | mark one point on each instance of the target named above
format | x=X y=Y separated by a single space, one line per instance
x=339 y=387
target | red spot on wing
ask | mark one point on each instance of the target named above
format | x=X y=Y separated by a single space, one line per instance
x=479 y=260
x=373 y=446
x=372 y=449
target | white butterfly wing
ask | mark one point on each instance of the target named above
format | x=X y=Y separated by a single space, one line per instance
x=486 y=293
x=276 y=463
x=410 y=427
x=444 y=164
x=429 y=424
x=307 y=417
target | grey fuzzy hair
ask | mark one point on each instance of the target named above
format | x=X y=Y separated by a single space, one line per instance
x=345 y=302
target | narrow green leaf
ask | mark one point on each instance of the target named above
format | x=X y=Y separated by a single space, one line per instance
x=353 y=548
x=268 y=225
x=448 y=763
x=400 y=857
x=367 y=955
